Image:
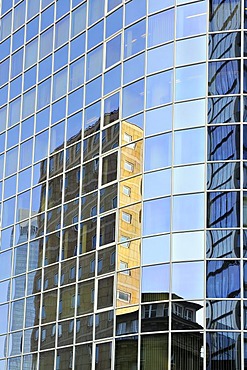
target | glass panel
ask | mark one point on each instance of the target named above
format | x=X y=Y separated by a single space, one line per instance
x=224 y=78
x=187 y=349
x=188 y=246
x=223 y=244
x=223 y=209
x=188 y=280
x=192 y=77
x=223 y=143
x=188 y=179
x=134 y=38
x=223 y=279
x=159 y=89
x=155 y=249
x=191 y=50
x=161 y=28
x=223 y=314
x=223 y=348
x=156 y=216
x=224 y=16
x=126 y=350
x=188 y=212
x=191 y=19
x=157 y=152
x=160 y=58
x=185 y=152
x=154 y=352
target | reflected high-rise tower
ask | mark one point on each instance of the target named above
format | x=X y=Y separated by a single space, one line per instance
x=123 y=185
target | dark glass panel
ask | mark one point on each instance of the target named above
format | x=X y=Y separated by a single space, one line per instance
x=65 y=333
x=104 y=325
x=64 y=358
x=223 y=350
x=103 y=354
x=154 y=352
x=48 y=335
x=224 y=45
x=223 y=143
x=155 y=317
x=67 y=301
x=88 y=236
x=223 y=244
x=105 y=292
x=83 y=357
x=86 y=267
x=85 y=297
x=223 y=279
x=224 y=77
x=49 y=306
x=68 y=272
x=109 y=168
x=186 y=351
x=46 y=360
x=126 y=352
x=224 y=15
x=223 y=175
x=84 y=329
x=108 y=198
x=223 y=209
x=223 y=315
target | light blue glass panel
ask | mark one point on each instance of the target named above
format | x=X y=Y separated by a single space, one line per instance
x=14 y=111
x=156 y=249
x=134 y=68
x=61 y=57
x=134 y=10
x=47 y=17
x=45 y=68
x=17 y=62
x=157 y=184
x=77 y=47
x=19 y=14
x=134 y=39
x=188 y=246
x=93 y=90
x=161 y=28
x=4 y=71
x=113 y=51
x=188 y=212
x=95 y=35
x=26 y=154
x=191 y=19
x=158 y=120
x=42 y=119
x=18 y=39
x=10 y=187
x=31 y=53
x=58 y=110
x=5 y=25
x=114 y=22
x=32 y=28
x=28 y=103
x=6 y=265
x=112 y=4
x=4 y=94
x=8 y=215
x=188 y=280
x=154 y=5
x=156 y=279
x=32 y=8
x=159 y=89
x=112 y=79
x=24 y=179
x=4 y=49
x=76 y=74
x=62 y=31
x=30 y=78
x=78 y=21
x=188 y=179
x=13 y=136
x=75 y=100
x=41 y=146
x=160 y=58
x=96 y=10
x=44 y=93
x=191 y=50
x=62 y=7
x=94 y=62
x=157 y=152
x=190 y=114
x=60 y=84
x=57 y=137
x=191 y=82
x=156 y=216
x=46 y=43
x=27 y=128
x=189 y=146
x=133 y=98
x=3 y=116
x=15 y=87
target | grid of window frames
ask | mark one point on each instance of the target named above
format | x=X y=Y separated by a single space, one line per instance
x=102 y=180
x=226 y=184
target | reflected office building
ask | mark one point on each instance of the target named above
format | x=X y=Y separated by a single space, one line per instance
x=123 y=185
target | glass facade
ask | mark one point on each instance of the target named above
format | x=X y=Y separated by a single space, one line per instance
x=123 y=185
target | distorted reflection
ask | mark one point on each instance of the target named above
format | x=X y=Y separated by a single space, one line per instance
x=223 y=279
x=223 y=209
x=223 y=315
x=223 y=109
x=223 y=350
x=223 y=175
x=223 y=244
x=224 y=45
x=224 y=15
x=224 y=78
x=223 y=143
x=187 y=351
